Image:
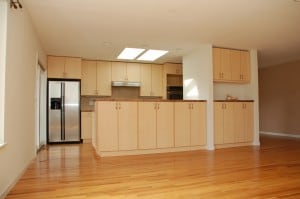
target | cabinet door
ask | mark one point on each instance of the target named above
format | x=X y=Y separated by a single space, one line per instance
x=133 y=72
x=88 y=78
x=118 y=71
x=104 y=78
x=245 y=66
x=165 y=124
x=128 y=125
x=239 y=119
x=228 y=124
x=249 y=121
x=145 y=89
x=182 y=124
x=198 y=123
x=56 y=67
x=235 y=63
x=73 y=68
x=147 y=125
x=217 y=63
x=156 y=80
x=174 y=69
x=86 y=125
x=225 y=64
x=107 y=127
x=218 y=123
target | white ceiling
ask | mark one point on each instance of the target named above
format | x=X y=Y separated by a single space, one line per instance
x=100 y=29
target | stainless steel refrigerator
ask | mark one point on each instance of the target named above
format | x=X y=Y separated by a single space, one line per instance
x=63 y=111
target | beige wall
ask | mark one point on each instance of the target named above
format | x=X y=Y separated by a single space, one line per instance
x=279 y=92
x=23 y=49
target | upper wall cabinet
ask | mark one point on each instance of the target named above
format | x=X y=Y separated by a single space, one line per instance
x=172 y=68
x=96 y=78
x=122 y=71
x=231 y=65
x=151 y=80
x=64 y=67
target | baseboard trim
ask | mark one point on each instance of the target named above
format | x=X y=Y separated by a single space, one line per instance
x=280 y=134
x=14 y=182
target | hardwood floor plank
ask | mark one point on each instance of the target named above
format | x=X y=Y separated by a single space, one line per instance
x=76 y=172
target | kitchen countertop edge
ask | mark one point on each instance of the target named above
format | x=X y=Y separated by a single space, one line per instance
x=233 y=100
x=150 y=100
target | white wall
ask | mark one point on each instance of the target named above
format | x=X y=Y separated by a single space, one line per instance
x=198 y=83
x=23 y=48
x=3 y=21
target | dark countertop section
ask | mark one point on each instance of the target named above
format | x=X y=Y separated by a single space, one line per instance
x=233 y=100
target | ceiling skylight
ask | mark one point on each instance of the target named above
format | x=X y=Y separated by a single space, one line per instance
x=151 y=55
x=130 y=53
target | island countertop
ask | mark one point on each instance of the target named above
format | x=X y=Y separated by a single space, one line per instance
x=148 y=100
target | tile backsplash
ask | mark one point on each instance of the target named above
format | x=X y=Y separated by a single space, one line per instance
x=88 y=102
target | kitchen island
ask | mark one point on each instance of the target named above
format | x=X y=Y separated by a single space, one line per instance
x=144 y=126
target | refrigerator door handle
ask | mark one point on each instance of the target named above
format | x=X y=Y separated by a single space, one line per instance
x=63 y=111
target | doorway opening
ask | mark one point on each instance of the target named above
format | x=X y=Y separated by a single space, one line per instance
x=41 y=111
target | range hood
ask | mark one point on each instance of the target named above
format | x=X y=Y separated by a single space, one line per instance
x=125 y=83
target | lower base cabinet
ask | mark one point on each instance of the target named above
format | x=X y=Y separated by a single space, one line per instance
x=190 y=124
x=116 y=125
x=156 y=125
x=233 y=122
x=126 y=126
x=86 y=125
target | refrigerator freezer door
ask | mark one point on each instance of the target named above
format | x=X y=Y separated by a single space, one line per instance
x=54 y=111
x=72 y=111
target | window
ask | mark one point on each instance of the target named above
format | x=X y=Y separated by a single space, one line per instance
x=3 y=32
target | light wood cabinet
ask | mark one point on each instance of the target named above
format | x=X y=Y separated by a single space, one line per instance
x=107 y=126
x=86 y=125
x=103 y=78
x=233 y=122
x=151 y=80
x=224 y=122
x=244 y=121
x=147 y=125
x=117 y=125
x=96 y=78
x=64 y=67
x=245 y=66
x=89 y=78
x=122 y=71
x=190 y=124
x=198 y=124
x=156 y=125
x=231 y=65
x=127 y=125
x=172 y=68
x=165 y=124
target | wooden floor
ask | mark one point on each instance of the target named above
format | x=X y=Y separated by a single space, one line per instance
x=75 y=171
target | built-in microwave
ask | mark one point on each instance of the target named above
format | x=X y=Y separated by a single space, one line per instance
x=174 y=92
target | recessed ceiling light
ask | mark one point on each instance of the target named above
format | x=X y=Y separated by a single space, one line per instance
x=130 y=53
x=151 y=55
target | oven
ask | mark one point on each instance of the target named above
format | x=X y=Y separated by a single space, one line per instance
x=174 y=92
